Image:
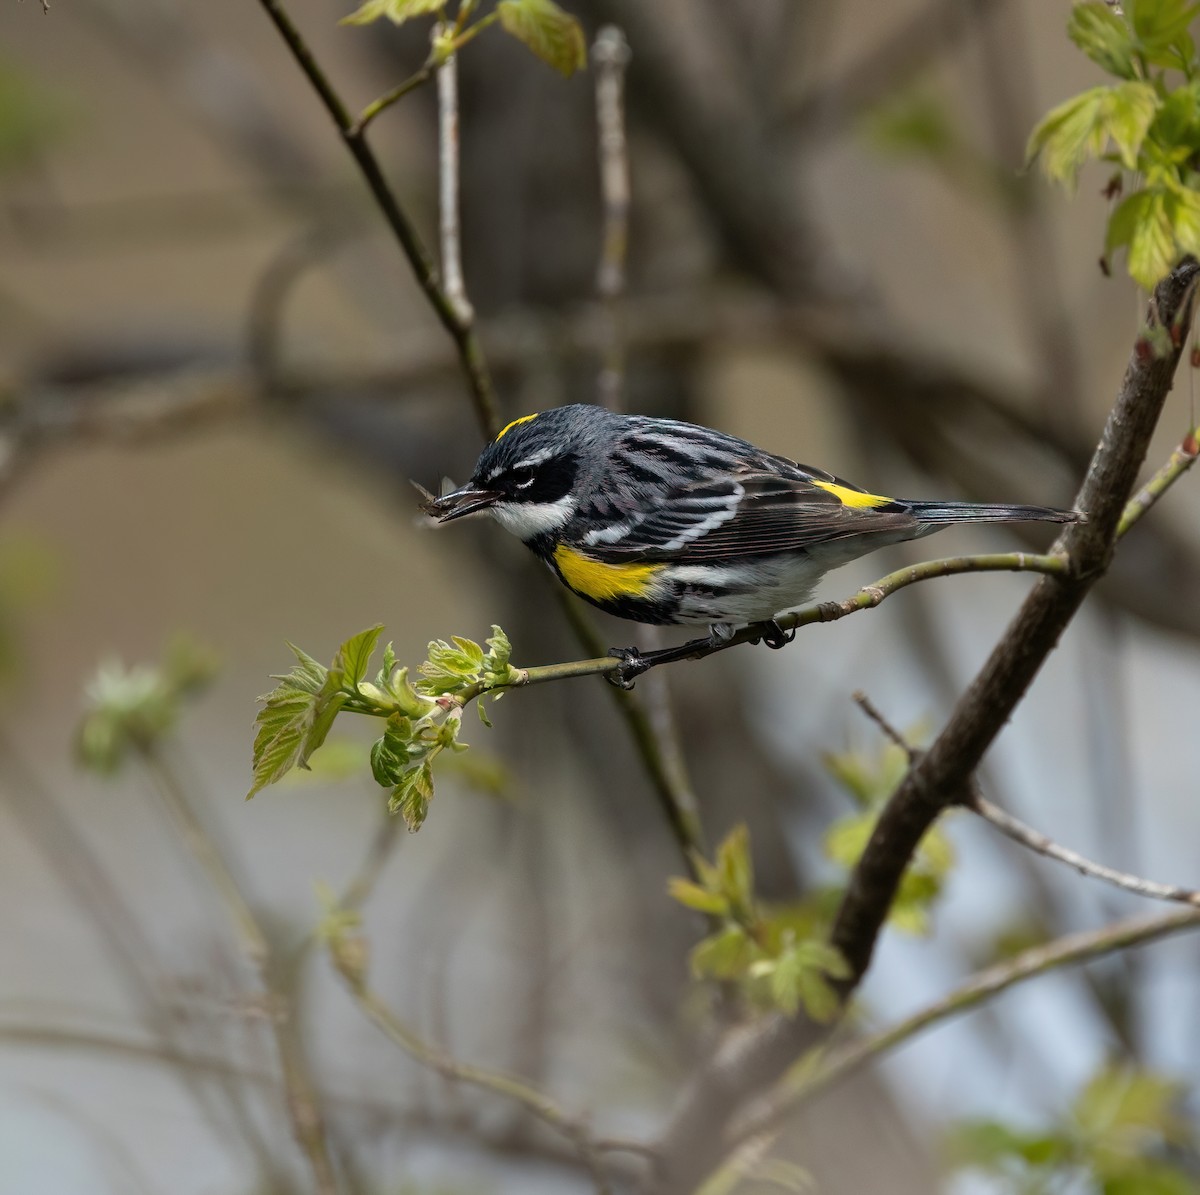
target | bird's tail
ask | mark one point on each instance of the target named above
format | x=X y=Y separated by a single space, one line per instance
x=937 y=514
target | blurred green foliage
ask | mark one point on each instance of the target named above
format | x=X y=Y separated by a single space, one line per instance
x=776 y=959
x=1126 y=1133
x=132 y=709
x=30 y=117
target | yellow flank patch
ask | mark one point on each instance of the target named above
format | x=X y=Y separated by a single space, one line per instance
x=509 y=426
x=604 y=582
x=849 y=497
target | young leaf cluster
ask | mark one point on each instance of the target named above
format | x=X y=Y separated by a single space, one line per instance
x=871 y=781
x=422 y=720
x=1124 y=1134
x=134 y=709
x=542 y=26
x=766 y=953
x=1147 y=125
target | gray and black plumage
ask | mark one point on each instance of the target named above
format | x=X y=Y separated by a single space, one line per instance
x=666 y=522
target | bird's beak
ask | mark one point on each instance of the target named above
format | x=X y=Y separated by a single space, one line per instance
x=465 y=500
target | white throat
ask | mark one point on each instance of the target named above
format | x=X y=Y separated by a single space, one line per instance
x=528 y=520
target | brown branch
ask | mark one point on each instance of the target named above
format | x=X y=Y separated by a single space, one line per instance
x=808 y=1077
x=940 y=776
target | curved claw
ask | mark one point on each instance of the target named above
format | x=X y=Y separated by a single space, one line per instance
x=632 y=665
x=775 y=637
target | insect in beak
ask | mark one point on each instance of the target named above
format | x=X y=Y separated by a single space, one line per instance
x=465 y=500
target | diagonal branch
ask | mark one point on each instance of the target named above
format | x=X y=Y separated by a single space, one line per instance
x=1035 y=840
x=812 y=1075
x=936 y=780
x=691 y=1143
x=455 y=321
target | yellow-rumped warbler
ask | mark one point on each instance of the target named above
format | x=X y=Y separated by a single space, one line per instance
x=666 y=522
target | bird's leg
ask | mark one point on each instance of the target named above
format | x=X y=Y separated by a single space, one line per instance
x=634 y=662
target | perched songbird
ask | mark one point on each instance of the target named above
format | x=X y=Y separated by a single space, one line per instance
x=661 y=521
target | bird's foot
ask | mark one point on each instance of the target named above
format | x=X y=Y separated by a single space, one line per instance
x=632 y=665
x=773 y=635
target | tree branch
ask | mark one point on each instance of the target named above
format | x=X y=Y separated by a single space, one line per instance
x=574 y=1128
x=940 y=776
x=812 y=1075
x=462 y=331
x=1018 y=831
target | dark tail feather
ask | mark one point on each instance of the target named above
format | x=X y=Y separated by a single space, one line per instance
x=940 y=513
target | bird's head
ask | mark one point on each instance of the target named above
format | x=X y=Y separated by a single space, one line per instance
x=526 y=477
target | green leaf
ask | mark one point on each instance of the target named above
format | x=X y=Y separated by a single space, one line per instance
x=1124 y=1107
x=1068 y=135
x=847 y=838
x=354 y=655
x=989 y=1144
x=396 y=11
x=736 y=870
x=496 y=667
x=309 y=676
x=552 y=34
x=1103 y=37
x=325 y=710
x=294 y=720
x=1130 y=110
x=384 y=675
x=1152 y=242
x=283 y=726
x=1159 y=23
x=410 y=798
x=727 y=954
x=695 y=897
x=1183 y=211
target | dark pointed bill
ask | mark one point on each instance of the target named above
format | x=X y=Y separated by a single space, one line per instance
x=465 y=500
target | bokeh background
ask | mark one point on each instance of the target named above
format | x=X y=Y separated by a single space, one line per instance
x=218 y=376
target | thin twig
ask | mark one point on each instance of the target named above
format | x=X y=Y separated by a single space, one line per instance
x=813 y=1074
x=611 y=55
x=99 y=900
x=497 y=1082
x=451 y=240
x=1036 y=841
x=470 y=351
x=974 y=800
x=1180 y=461
x=385 y=101
x=303 y=1109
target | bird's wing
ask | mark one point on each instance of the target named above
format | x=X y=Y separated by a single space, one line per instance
x=750 y=512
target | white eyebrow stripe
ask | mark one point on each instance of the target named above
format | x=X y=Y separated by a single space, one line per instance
x=536 y=459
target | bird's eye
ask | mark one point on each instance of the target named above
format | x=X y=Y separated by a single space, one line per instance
x=522 y=478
